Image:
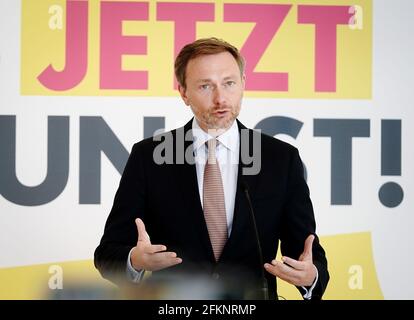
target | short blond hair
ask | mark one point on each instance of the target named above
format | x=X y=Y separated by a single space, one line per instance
x=205 y=46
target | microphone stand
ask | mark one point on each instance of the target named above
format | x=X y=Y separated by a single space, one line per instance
x=265 y=289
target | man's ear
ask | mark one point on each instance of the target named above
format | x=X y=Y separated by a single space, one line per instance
x=183 y=94
x=243 y=81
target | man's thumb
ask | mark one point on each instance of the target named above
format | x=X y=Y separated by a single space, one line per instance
x=142 y=233
x=308 y=245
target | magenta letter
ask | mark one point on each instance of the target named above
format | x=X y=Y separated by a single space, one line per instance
x=268 y=18
x=76 y=50
x=325 y=19
x=114 y=45
x=185 y=16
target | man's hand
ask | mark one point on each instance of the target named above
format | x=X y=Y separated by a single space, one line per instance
x=300 y=272
x=151 y=257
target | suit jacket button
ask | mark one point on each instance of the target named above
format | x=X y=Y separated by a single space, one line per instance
x=215 y=276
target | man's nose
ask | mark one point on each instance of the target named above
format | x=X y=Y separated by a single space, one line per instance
x=219 y=96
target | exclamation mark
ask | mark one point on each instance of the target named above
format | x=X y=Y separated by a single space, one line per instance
x=391 y=194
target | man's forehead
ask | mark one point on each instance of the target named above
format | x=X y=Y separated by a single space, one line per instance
x=206 y=64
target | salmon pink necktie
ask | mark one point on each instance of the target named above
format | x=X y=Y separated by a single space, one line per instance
x=213 y=201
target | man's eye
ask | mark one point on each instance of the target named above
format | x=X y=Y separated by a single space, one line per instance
x=230 y=83
x=205 y=86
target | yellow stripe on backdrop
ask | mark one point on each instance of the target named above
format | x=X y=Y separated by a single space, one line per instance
x=350 y=258
x=43 y=281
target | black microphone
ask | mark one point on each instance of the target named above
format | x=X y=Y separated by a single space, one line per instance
x=265 y=288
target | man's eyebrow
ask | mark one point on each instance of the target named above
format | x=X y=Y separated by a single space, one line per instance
x=230 y=77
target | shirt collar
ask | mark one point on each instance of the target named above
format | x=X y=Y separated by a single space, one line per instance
x=230 y=138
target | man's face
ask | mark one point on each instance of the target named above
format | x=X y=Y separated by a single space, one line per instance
x=214 y=90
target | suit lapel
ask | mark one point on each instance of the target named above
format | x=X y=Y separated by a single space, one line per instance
x=241 y=217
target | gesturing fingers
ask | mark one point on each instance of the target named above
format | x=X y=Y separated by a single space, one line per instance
x=151 y=257
x=307 y=250
x=160 y=260
x=283 y=271
x=298 y=273
x=298 y=265
x=154 y=248
x=142 y=233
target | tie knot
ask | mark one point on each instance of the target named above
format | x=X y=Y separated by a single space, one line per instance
x=211 y=146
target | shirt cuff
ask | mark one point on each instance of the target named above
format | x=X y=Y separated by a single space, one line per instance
x=133 y=275
x=308 y=292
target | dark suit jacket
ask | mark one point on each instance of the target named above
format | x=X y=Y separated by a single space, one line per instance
x=166 y=198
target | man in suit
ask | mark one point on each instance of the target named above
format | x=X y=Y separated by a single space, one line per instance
x=182 y=206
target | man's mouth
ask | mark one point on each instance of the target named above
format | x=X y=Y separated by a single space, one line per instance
x=221 y=113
